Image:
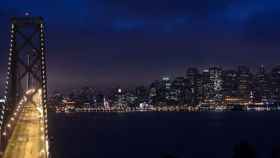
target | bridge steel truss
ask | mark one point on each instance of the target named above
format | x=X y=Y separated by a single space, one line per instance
x=26 y=69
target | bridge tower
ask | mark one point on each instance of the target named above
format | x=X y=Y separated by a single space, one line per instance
x=26 y=70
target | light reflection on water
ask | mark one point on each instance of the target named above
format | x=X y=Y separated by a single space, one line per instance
x=198 y=135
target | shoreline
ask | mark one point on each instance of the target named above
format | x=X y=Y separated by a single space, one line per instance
x=163 y=110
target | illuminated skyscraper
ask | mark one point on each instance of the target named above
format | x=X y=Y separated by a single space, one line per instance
x=160 y=91
x=275 y=83
x=206 y=85
x=262 y=85
x=215 y=77
x=230 y=83
x=119 y=98
x=177 y=92
x=141 y=93
x=154 y=92
x=195 y=84
x=244 y=82
x=165 y=89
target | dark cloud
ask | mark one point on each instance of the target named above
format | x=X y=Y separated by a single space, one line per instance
x=264 y=28
x=5 y=14
x=103 y=42
x=167 y=7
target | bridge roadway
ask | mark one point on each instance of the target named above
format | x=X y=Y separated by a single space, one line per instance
x=27 y=140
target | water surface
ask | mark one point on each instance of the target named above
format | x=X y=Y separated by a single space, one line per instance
x=151 y=135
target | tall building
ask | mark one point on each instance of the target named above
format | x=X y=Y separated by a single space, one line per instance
x=230 y=83
x=206 y=84
x=142 y=94
x=160 y=91
x=244 y=82
x=165 y=90
x=154 y=92
x=262 y=85
x=215 y=77
x=177 y=93
x=131 y=99
x=99 y=100
x=195 y=85
x=275 y=83
x=119 y=98
x=83 y=95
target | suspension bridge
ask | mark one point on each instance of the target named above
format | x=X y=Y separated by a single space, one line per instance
x=23 y=114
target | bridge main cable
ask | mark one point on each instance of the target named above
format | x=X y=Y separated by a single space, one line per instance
x=26 y=71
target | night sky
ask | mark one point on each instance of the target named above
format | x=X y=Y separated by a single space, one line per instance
x=106 y=43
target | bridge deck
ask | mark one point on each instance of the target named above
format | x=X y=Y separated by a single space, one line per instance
x=27 y=137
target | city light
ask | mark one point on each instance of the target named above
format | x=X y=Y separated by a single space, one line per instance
x=36 y=111
x=26 y=104
x=30 y=91
x=2 y=100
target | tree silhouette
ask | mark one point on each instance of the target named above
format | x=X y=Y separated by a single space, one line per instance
x=167 y=155
x=244 y=150
x=276 y=151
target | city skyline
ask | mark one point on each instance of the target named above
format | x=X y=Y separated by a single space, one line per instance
x=254 y=71
x=120 y=43
x=107 y=78
x=215 y=83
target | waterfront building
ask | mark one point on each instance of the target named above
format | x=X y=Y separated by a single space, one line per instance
x=206 y=85
x=165 y=89
x=215 y=78
x=83 y=95
x=244 y=82
x=275 y=83
x=142 y=94
x=154 y=89
x=177 y=92
x=131 y=99
x=230 y=83
x=262 y=87
x=195 y=85
x=119 y=99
